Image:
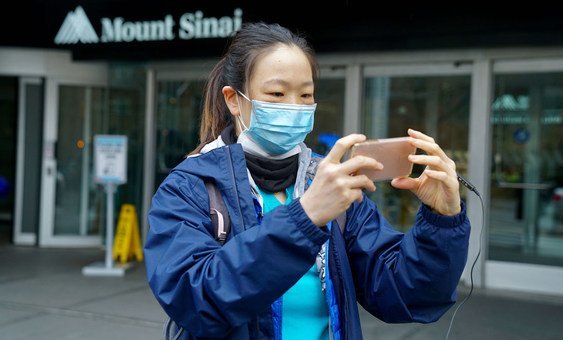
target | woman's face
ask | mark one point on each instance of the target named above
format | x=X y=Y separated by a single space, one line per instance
x=281 y=75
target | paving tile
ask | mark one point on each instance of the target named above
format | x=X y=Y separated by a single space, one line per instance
x=10 y=315
x=65 y=289
x=139 y=304
x=64 y=327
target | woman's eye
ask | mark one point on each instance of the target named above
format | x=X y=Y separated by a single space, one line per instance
x=277 y=94
x=307 y=95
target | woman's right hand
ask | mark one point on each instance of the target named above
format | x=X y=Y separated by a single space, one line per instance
x=335 y=187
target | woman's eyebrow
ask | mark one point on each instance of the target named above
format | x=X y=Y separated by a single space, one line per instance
x=286 y=83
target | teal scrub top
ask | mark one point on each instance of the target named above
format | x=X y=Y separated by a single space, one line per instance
x=304 y=311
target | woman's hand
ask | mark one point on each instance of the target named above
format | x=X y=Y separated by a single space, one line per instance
x=437 y=186
x=334 y=187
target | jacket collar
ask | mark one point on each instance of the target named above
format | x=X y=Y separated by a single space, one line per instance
x=304 y=165
x=226 y=166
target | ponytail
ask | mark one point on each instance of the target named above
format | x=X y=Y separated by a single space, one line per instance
x=215 y=116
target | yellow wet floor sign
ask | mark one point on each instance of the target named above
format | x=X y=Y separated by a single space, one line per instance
x=127 y=243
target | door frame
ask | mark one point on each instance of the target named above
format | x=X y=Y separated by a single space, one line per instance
x=483 y=66
x=47 y=238
x=49 y=65
x=527 y=277
x=20 y=237
x=178 y=71
x=157 y=72
x=451 y=67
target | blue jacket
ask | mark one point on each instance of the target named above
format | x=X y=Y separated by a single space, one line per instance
x=228 y=291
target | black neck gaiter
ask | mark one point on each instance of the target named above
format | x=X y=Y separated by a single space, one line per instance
x=272 y=175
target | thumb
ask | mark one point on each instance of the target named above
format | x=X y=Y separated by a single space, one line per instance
x=405 y=183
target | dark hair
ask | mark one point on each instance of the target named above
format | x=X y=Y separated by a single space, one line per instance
x=234 y=69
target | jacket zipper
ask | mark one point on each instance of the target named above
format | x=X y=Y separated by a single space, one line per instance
x=344 y=310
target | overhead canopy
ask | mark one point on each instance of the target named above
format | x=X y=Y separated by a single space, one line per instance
x=153 y=30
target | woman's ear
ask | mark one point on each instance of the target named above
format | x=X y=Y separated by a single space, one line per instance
x=230 y=96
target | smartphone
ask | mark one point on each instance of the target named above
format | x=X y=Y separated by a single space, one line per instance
x=391 y=152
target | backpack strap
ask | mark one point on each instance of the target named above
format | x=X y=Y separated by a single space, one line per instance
x=312 y=169
x=171 y=330
x=221 y=226
x=218 y=212
x=310 y=174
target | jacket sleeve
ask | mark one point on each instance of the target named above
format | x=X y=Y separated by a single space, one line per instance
x=208 y=289
x=406 y=277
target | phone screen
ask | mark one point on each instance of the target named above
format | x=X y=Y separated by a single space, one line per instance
x=391 y=152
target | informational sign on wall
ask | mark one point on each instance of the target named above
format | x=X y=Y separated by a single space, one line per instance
x=110 y=158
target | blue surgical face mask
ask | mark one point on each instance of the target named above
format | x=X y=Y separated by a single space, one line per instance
x=278 y=127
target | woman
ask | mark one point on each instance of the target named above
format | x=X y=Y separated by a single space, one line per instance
x=287 y=269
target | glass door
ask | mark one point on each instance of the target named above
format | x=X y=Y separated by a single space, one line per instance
x=28 y=163
x=72 y=202
x=178 y=110
x=434 y=99
x=174 y=106
x=8 y=138
x=526 y=211
x=329 y=115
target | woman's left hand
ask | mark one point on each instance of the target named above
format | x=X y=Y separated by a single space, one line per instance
x=437 y=186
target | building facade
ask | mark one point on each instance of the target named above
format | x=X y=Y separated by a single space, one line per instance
x=489 y=89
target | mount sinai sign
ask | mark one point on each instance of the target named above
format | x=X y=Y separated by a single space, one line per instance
x=77 y=28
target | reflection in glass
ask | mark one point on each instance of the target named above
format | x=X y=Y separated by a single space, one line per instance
x=177 y=123
x=78 y=201
x=329 y=116
x=435 y=105
x=526 y=215
x=125 y=115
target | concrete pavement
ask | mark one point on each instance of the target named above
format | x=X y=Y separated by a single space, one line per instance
x=43 y=295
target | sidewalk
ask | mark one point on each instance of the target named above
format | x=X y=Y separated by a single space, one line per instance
x=43 y=295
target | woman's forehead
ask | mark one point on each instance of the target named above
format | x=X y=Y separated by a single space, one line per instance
x=283 y=65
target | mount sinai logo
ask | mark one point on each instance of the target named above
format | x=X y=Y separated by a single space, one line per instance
x=77 y=28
